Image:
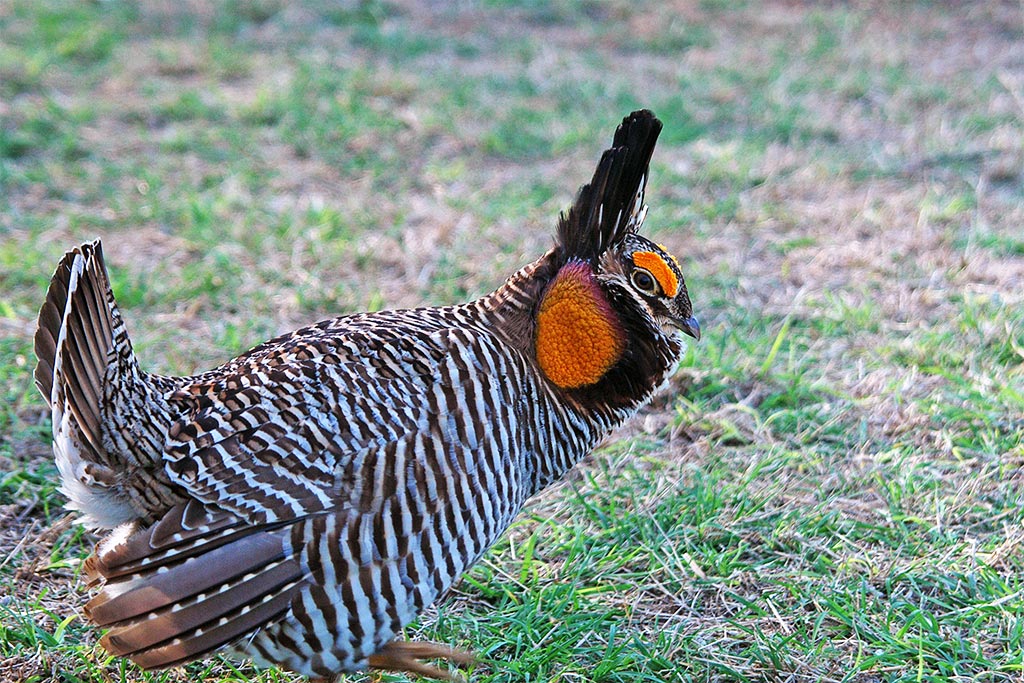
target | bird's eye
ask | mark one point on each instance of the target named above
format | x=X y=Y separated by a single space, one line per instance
x=644 y=281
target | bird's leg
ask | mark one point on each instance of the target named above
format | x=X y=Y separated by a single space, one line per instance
x=407 y=655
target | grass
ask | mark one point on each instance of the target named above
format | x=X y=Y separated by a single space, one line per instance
x=830 y=488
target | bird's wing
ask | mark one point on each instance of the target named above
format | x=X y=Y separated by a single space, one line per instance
x=296 y=432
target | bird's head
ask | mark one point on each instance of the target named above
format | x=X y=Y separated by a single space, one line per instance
x=651 y=277
x=612 y=310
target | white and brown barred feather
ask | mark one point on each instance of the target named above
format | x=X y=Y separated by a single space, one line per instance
x=305 y=501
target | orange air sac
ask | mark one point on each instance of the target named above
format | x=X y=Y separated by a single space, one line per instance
x=579 y=337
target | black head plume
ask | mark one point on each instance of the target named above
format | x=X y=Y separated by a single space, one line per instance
x=612 y=204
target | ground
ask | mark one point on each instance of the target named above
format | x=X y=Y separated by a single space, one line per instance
x=830 y=487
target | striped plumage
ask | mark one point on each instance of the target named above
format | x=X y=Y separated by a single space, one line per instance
x=302 y=503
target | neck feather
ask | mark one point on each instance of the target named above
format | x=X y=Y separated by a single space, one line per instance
x=511 y=308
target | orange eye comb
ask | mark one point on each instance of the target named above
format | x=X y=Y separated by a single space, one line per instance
x=656 y=266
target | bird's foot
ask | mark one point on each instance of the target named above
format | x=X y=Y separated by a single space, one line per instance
x=407 y=655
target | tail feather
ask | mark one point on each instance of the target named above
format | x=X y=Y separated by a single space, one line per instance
x=76 y=343
x=75 y=318
x=50 y=317
x=93 y=322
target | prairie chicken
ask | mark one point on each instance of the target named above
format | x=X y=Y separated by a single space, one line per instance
x=302 y=503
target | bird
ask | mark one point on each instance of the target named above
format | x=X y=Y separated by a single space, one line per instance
x=301 y=504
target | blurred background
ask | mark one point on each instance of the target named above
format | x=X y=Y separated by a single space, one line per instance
x=830 y=487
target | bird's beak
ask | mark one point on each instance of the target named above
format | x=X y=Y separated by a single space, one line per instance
x=688 y=325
